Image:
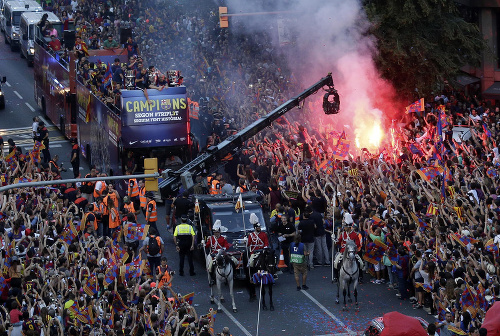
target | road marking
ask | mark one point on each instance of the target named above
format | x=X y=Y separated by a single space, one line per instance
x=335 y=318
x=6 y=150
x=30 y=107
x=17 y=130
x=18 y=95
x=235 y=321
x=359 y=333
x=8 y=84
x=45 y=121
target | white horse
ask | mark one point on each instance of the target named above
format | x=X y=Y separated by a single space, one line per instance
x=349 y=273
x=224 y=272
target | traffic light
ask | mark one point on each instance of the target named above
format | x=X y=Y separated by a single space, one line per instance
x=151 y=167
x=223 y=20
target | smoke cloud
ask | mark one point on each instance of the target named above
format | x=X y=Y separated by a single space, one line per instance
x=328 y=36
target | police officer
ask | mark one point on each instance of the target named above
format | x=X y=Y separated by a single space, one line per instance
x=184 y=244
x=214 y=243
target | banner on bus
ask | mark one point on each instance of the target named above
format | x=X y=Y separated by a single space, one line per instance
x=155 y=135
x=169 y=106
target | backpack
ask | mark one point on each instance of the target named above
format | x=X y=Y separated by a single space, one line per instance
x=154 y=246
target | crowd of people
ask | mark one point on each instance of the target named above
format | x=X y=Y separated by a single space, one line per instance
x=423 y=211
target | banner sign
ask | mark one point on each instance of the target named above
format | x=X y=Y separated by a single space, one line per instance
x=168 y=106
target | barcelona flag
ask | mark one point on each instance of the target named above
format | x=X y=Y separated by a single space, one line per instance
x=415 y=150
x=492 y=172
x=9 y=159
x=136 y=231
x=490 y=246
x=429 y=173
x=118 y=304
x=423 y=225
x=486 y=130
x=417 y=106
x=374 y=253
x=69 y=233
x=463 y=240
x=342 y=149
x=425 y=287
x=91 y=286
x=111 y=274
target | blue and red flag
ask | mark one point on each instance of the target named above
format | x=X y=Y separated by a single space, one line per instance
x=423 y=225
x=415 y=150
x=118 y=304
x=486 y=130
x=374 y=253
x=490 y=246
x=429 y=173
x=417 y=106
x=108 y=76
x=91 y=286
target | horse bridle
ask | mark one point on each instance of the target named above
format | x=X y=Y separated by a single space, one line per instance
x=222 y=267
x=343 y=268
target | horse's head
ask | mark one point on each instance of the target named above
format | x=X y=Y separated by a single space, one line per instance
x=350 y=249
x=267 y=261
x=220 y=258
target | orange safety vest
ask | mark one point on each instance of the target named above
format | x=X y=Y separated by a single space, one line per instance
x=98 y=193
x=115 y=199
x=142 y=197
x=89 y=184
x=151 y=216
x=133 y=188
x=165 y=278
x=104 y=206
x=96 y=208
x=215 y=190
x=129 y=207
x=114 y=222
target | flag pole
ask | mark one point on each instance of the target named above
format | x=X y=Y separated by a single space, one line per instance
x=258 y=313
x=333 y=232
x=242 y=207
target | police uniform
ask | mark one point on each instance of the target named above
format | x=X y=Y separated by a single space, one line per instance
x=184 y=239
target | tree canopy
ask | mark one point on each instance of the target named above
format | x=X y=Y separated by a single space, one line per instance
x=421 y=43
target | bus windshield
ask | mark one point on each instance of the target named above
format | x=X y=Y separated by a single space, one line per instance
x=16 y=18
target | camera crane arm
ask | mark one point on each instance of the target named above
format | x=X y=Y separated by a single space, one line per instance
x=210 y=160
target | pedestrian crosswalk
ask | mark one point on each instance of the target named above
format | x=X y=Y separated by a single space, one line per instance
x=22 y=137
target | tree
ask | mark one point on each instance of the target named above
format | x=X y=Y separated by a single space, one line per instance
x=421 y=43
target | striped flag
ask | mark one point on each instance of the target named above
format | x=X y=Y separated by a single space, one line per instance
x=239 y=204
x=353 y=172
x=451 y=191
x=460 y=213
x=463 y=240
x=432 y=210
x=492 y=172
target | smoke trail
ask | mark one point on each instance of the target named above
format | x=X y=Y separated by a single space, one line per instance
x=330 y=36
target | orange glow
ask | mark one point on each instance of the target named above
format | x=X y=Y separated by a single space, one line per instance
x=368 y=130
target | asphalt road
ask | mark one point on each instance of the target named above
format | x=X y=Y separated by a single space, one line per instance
x=311 y=312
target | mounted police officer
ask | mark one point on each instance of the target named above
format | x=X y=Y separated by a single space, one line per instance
x=348 y=233
x=215 y=243
x=256 y=240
